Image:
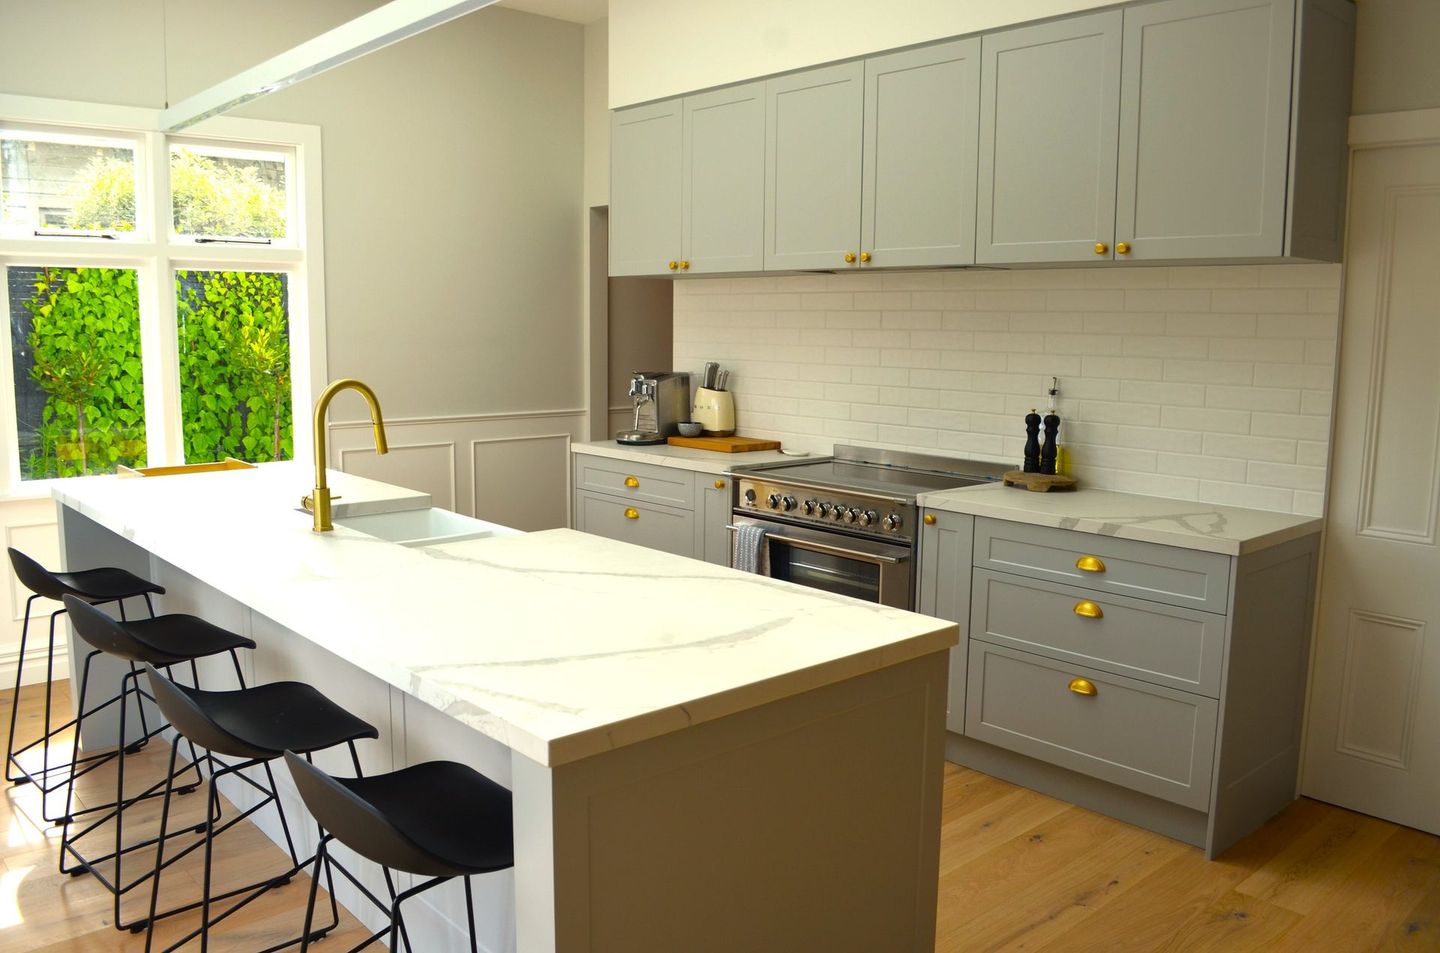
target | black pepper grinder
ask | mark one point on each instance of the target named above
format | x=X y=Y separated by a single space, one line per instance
x=1047 y=452
x=1032 y=442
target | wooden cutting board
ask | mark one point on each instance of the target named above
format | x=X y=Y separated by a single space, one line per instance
x=724 y=444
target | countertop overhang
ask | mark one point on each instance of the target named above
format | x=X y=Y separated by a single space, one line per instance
x=558 y=644
x=1208 y=527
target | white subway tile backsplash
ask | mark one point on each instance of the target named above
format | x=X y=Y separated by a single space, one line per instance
x=1202 y=383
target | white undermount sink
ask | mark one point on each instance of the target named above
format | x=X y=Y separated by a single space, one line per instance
x=423 y=527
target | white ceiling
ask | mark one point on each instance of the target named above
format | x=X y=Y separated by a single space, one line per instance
x=576 y=11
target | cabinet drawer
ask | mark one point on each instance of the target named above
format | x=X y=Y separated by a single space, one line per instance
x=635 y=481
x=657 y=527
x=1178 y=577
x=1166 y=645
x=1150 y=739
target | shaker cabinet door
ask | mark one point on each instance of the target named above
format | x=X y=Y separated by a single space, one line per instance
x=1204 y=129
x=1049 y=117
x=813 y=143
x=723 y=190
x=645 y=148
x=943 y=591
x=921 y=126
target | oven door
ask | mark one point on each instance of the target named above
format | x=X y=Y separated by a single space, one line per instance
x=869 y=570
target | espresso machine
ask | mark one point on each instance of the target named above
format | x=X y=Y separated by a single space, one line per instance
x=662 y=401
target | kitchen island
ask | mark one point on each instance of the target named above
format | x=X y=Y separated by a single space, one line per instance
x=701 y=760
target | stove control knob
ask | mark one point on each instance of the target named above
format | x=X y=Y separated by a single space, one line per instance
x=788 y=503
x=750 y=497
x=823 y=510
x=892 y=522
x=868 y=517
x=773 y=501
x=840 y=512
x=810 y=507
x=852 y=514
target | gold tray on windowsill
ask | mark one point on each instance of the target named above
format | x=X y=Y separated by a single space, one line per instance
x=229 y=463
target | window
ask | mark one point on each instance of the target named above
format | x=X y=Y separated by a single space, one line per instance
x=135 y=342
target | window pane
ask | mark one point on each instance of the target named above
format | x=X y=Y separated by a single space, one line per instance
x=79 y=391
x=72 y=184
x=234 y=336
x=228 y=193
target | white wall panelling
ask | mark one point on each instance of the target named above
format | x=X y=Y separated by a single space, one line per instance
x=1208 y=383
x=29 y=526
x=509 y=468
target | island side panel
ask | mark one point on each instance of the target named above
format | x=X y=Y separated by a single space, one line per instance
x=810 y=823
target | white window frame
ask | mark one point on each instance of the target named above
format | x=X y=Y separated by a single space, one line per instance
x=155 y=254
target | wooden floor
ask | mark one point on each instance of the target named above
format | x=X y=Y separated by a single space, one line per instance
x=1018 y=871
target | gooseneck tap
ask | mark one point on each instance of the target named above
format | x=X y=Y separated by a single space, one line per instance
x=319 y=500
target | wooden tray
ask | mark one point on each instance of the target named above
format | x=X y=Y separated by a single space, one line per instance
x=1041 y=482
x=724 y=444
x=229 y=463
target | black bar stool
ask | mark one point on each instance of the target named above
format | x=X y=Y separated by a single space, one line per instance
x=164 y=641
x=439 y=819
x=256 y=726
x=95 y=586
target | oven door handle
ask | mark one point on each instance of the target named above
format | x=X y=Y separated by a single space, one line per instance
x=831 y=550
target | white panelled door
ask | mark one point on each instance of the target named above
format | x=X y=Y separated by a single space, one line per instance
x=1374 y=724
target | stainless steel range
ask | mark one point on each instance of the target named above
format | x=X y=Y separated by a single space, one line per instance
x=849 y=524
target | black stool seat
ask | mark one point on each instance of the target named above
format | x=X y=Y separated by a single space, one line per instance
x=93 y=585
x=449 y=811
x=261 y=722
x=163 y=640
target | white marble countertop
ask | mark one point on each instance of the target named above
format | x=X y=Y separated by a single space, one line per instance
x=687 y=458
x=558 y=644
x=1210 y=527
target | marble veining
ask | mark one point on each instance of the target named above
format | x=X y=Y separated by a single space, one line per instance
x=558 y=644
x=1229 y=530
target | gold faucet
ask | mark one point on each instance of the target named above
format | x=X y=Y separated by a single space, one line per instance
x=319 y=501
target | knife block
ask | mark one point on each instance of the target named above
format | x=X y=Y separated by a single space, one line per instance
x=714 y=411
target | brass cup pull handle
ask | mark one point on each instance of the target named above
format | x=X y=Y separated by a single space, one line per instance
x=719 y=484
x=1083 y=686
x=1101 y=248
x=673 y=265
x=929 y=519
x=631 y=513
x=864 y=257
x=684 y=265
x=849 y=258
x=632 y=482
x=1090 y=564
x=1122 y=248
x=1089 y=610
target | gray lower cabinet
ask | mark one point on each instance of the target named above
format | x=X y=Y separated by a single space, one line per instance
x=645 y=164
x=1049 y=116
x=814 y=134
x=678 y=511
x=1160 y=685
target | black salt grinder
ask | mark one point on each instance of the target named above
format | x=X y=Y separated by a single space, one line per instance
x=1048 y=451
x=1032 y=442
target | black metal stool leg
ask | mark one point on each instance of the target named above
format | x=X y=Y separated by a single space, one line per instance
x=315 y=891
x=160 y=846
x=15 y=698
x=470 y=914
x=49 y=700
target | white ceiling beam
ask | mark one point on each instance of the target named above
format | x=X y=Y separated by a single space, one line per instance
x=391 y=23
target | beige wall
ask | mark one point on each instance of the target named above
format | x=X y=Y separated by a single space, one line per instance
x=1397 y=66
x=640 y=331
x=597 y=114
x=660 y=48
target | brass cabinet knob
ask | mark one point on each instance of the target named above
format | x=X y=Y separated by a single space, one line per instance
x=929 y=519
x=1101 y=248
x=864 y=257
x=684 y=265
x=632 y=482
x=1083 y=686
x=719 y=484
x=1122 y=248
x=631 y=513
x=849 y=258
x=1090 y=564
x=1089 y=610
x=673 y=265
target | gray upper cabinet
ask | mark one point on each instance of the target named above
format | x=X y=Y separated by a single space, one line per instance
x=815 y=124
x=723 y=201
x=1204 y=129
x=921 y=125
x=1049 y=117
x=645 y=151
